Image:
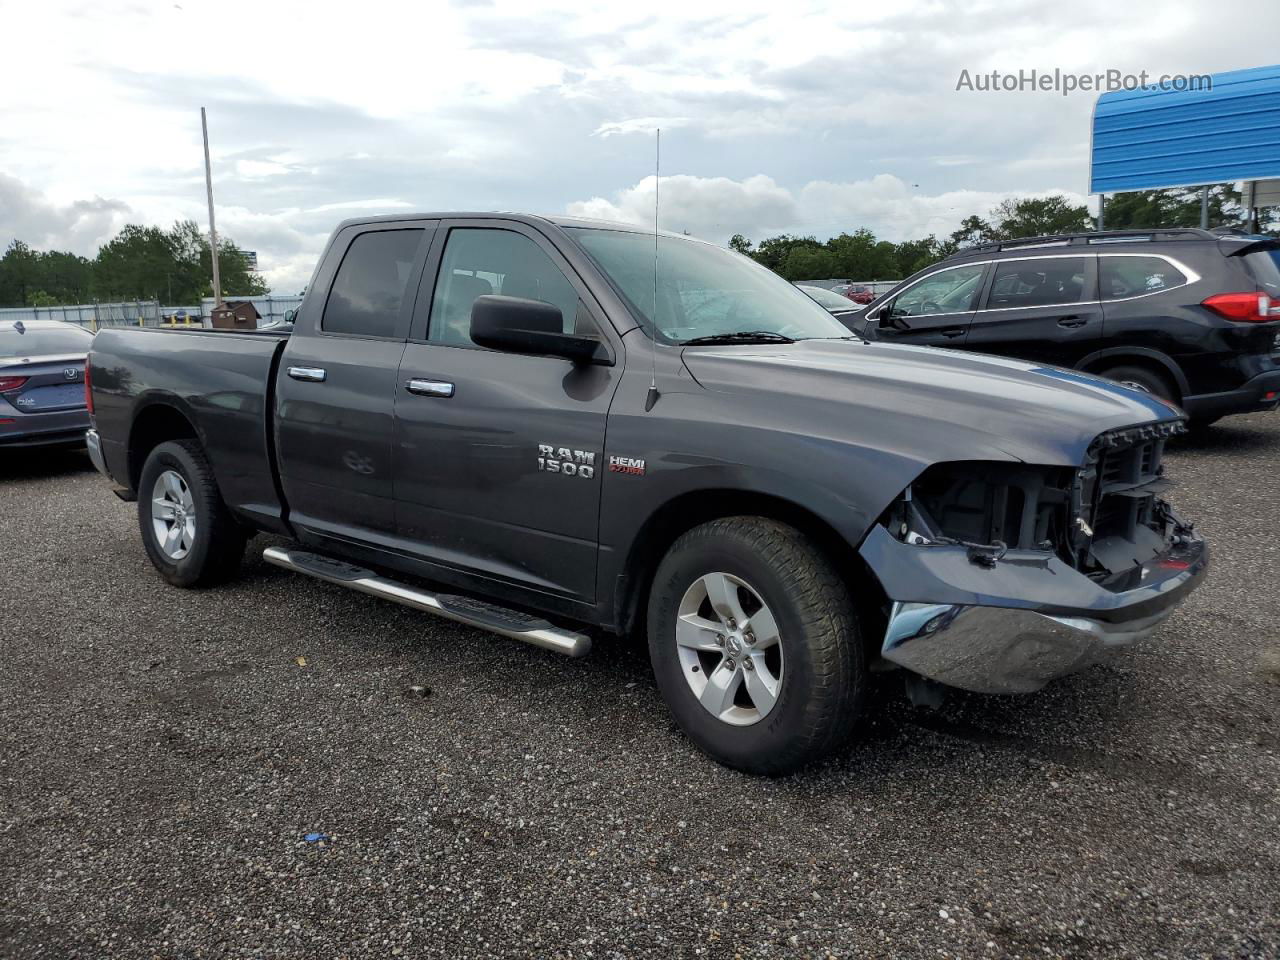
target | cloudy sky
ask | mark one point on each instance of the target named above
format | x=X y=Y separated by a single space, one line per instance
x=795 y=117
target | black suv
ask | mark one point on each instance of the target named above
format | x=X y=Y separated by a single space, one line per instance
x=1189 y=315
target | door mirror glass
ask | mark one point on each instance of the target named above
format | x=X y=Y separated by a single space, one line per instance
x=517 y=325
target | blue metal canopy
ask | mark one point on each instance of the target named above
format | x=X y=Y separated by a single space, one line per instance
x=1146 y=139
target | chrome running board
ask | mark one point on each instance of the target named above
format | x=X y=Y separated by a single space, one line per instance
x=474 y=613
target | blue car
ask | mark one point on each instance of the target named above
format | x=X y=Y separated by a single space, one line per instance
x=42 y=391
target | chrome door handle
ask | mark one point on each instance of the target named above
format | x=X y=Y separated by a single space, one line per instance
x=429 y=388
x=312 y=374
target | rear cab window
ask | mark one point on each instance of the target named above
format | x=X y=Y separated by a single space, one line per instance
x=367 y=296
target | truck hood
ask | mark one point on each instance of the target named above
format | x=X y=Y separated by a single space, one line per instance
x=931 y=403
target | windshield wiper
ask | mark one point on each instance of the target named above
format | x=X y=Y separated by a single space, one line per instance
x=742 y=336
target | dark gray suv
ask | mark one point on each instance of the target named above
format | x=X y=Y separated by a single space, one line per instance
x=1189 y=315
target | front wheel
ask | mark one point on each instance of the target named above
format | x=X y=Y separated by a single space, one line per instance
x=755 y=645
x=187 y=530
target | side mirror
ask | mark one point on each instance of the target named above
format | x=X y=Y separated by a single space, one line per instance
x=290 y=315
x=516 y=325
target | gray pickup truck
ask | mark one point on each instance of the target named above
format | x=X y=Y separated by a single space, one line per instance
x=553 y=429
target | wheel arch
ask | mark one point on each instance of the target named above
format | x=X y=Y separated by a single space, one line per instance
x=1145 y=357
x=156 y=421
x=694 y=508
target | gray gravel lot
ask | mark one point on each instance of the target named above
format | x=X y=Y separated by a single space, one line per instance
x=165 y=753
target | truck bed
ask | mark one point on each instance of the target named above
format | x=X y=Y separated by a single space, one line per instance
x=222 y=381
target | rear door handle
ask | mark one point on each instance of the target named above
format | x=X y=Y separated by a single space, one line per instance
x=953 y=332
x=312 y=374
x=1072 y=321
x=429 y=388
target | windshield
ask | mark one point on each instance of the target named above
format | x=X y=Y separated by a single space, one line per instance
x=703 y=290
x=826 y=298
x=42 y=341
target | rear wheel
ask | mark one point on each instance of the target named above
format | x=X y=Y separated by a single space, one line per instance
x=755 y=645
x=1140 y=378
x=187 y=530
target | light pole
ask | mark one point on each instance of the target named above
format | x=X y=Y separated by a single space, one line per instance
x=213 y=230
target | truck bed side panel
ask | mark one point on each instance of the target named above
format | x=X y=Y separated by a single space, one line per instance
x=218 y=380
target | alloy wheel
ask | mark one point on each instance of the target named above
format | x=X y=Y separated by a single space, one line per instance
x=173 y=515
x=730 y=650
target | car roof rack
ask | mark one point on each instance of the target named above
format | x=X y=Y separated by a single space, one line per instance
x=1095 y=236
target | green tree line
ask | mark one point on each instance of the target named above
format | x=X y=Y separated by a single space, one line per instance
x=860 y=255
x=139 y=263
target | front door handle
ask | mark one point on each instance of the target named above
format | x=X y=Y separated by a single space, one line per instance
x=311 y=374
x=429 y=388
x=950 y=332
x=1072 y=321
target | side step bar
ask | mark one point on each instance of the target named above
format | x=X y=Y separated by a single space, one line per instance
x=474 y=613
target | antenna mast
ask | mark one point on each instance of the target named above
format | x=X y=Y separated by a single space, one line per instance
x=652 y=397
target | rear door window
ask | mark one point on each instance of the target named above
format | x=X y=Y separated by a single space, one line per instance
x=1037 y=283
x=367 y=298
x=1121 y=277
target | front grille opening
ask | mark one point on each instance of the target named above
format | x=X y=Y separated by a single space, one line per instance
x=985 y=503
x=1102 y=518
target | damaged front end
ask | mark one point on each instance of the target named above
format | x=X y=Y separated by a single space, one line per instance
x=1003 y=576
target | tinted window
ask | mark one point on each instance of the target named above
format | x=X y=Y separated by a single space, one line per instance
x=947 y=291
x=1037 y=283
x=42 y=341
x=368 y=291
x=478 y=263
x=1134 y=276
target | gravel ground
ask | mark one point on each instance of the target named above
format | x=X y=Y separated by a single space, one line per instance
x=166 y=754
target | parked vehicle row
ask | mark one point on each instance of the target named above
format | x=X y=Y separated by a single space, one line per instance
x=1187 y=315
x=535 y=426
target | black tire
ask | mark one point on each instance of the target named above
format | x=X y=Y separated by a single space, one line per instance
x=1144 y=379
x=1201 y=425
x=218 y=544
x=824 y=677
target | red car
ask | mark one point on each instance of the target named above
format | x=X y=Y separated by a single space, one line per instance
x=856 y=292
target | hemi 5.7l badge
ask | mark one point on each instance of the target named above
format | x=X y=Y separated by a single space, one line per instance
x=571 y=463
x=629 y=465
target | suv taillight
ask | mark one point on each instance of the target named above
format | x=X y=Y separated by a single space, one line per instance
x=1244 y=307
x=88 y=387
x=8 y=384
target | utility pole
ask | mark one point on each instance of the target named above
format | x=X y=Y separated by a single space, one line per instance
x=213 y=230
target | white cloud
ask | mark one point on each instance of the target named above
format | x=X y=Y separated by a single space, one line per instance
x=704 y=206
x=715 y=208
x=79 y=227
